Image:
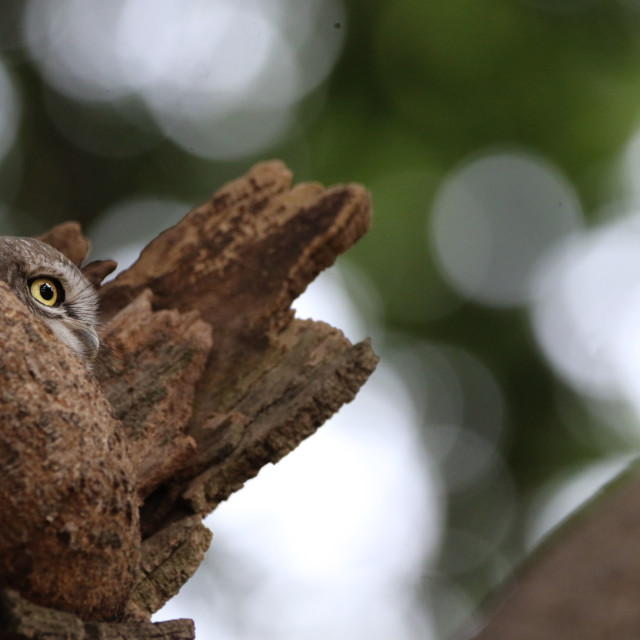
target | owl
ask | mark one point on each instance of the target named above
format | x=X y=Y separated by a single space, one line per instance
x=54 y=289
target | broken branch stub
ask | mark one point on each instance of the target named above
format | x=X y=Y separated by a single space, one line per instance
x=240 y=260
x=23 y=620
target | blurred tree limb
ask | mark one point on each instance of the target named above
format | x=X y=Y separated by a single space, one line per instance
x=584 y=581
x=209 y=378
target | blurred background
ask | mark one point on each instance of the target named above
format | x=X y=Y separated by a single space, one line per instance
x=500 y=282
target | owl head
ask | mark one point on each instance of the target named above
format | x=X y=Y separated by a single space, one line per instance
x=53 y=288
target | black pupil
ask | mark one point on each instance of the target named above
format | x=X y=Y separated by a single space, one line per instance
x=46 y=291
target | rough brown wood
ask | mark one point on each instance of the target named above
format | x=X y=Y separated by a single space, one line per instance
x=206 y=370
x=149 y=374
x=23 y=620
x=240 y=259
x=98 y=270
x=68 y=239
x=169 y=559
x=277 y=410
x=70 y=535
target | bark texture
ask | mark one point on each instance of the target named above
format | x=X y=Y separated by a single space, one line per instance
x=23 y=620
x=206 y=376
x=70 y=535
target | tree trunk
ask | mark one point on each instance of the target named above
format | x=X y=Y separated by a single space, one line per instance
x=207 y=376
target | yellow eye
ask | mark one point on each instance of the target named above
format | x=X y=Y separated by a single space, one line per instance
x=46 y=291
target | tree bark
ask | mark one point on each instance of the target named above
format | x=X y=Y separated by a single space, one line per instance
x=68 y=506
x=206 y=376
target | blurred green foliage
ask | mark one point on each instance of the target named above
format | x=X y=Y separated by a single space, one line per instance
x=419 y=87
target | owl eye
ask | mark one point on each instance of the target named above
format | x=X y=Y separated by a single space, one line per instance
x=47 y=291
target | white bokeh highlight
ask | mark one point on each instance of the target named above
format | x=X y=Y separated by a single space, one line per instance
x=465 y=424
x=494 y=218
x=586 y=313
x=586 y=318
x=207 y=51
x=72 y=42
x=220 y=78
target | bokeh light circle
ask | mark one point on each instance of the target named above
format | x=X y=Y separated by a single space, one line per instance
x=494 y=218
x=171 y=46
x=586 y=312
x=220 y=79
x=72 y=41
